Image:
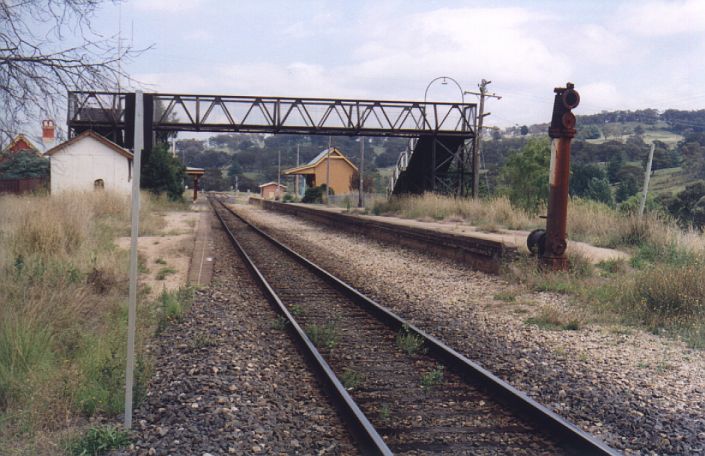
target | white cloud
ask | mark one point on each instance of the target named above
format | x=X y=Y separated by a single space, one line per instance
x=599 y=45
x=389 y=53
x=166 y=6
x=198 y=35
x=601 y=95
x=472 y=42
x=660 y=18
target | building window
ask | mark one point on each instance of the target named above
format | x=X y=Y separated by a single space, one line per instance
x=98 y=184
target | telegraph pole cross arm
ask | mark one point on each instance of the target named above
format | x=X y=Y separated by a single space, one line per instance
x=478 y=134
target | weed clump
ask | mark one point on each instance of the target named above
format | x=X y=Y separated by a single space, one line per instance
x=351 y=379
x=409 y=342
x=163 y=272
x=323 y=336
x=432 y=378
x=280 y=323
x=98 y=441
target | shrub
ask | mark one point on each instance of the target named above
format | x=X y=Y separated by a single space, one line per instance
x=315 y=194
x=162 y=173
x=23 y=165
x=524 y=176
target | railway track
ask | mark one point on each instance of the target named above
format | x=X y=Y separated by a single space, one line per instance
x=399 y=390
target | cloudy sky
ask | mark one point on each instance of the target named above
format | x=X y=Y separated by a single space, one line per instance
x=620 y=55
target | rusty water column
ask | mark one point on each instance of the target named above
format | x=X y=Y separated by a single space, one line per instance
x=562 y=130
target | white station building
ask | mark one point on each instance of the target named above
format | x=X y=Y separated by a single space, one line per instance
x=90 y=162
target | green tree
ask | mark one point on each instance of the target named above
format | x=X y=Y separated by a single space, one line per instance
x=213 y=179
x=614 y=164
x=24 y=165
x=582 y=176
x=626 y=188
x=524 y=130
x=689 y=205
x=588 y=132
x=524 y=177
x=162 y=173
x=599 y=190
x=664 y=157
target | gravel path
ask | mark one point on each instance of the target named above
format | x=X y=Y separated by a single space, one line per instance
x=227 y=382
x=640 y=393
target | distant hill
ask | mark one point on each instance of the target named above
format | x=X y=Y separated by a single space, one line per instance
x=613 y=146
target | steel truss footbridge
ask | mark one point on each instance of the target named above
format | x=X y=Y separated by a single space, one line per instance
x=440 y=134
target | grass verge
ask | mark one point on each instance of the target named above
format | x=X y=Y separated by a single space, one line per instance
x=63 y=313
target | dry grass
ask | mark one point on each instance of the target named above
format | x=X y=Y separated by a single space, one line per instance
x=63 y=287
x=496 y=212
x=588 y=221
x=553 y=318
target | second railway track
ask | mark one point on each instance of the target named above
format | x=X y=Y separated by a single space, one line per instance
x=400 y=390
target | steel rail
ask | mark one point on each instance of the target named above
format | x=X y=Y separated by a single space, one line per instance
x=570 y=435
x=368 y=439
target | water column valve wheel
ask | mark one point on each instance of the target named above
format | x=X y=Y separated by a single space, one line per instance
x=536 y=242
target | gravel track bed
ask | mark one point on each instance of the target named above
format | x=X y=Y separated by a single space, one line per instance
x=441 y=417
x=640 y=393
x=227 y=382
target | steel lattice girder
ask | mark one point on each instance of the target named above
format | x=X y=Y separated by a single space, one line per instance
x=216 y=113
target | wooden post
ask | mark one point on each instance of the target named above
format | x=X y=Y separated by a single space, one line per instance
x=647 y=176
x=360 y=202
x=296 y=176
x=328 y=172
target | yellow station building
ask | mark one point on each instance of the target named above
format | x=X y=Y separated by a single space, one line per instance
x=315 y=172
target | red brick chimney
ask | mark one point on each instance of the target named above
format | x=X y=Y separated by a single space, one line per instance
x=48 y=133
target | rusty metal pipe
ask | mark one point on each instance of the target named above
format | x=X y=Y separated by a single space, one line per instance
x=562 y=131
x=557 y=217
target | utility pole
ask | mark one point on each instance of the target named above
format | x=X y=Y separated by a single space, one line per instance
x=279 y=173
x=328 y=172
x=647 y=176
x=478 y=134
x=296 y=176
x=360 y=202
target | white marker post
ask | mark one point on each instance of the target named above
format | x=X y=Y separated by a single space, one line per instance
x=135 y=216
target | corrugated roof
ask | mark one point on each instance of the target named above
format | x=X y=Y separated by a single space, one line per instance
x=272 y=183
x=319 y=158
x=321 y=155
